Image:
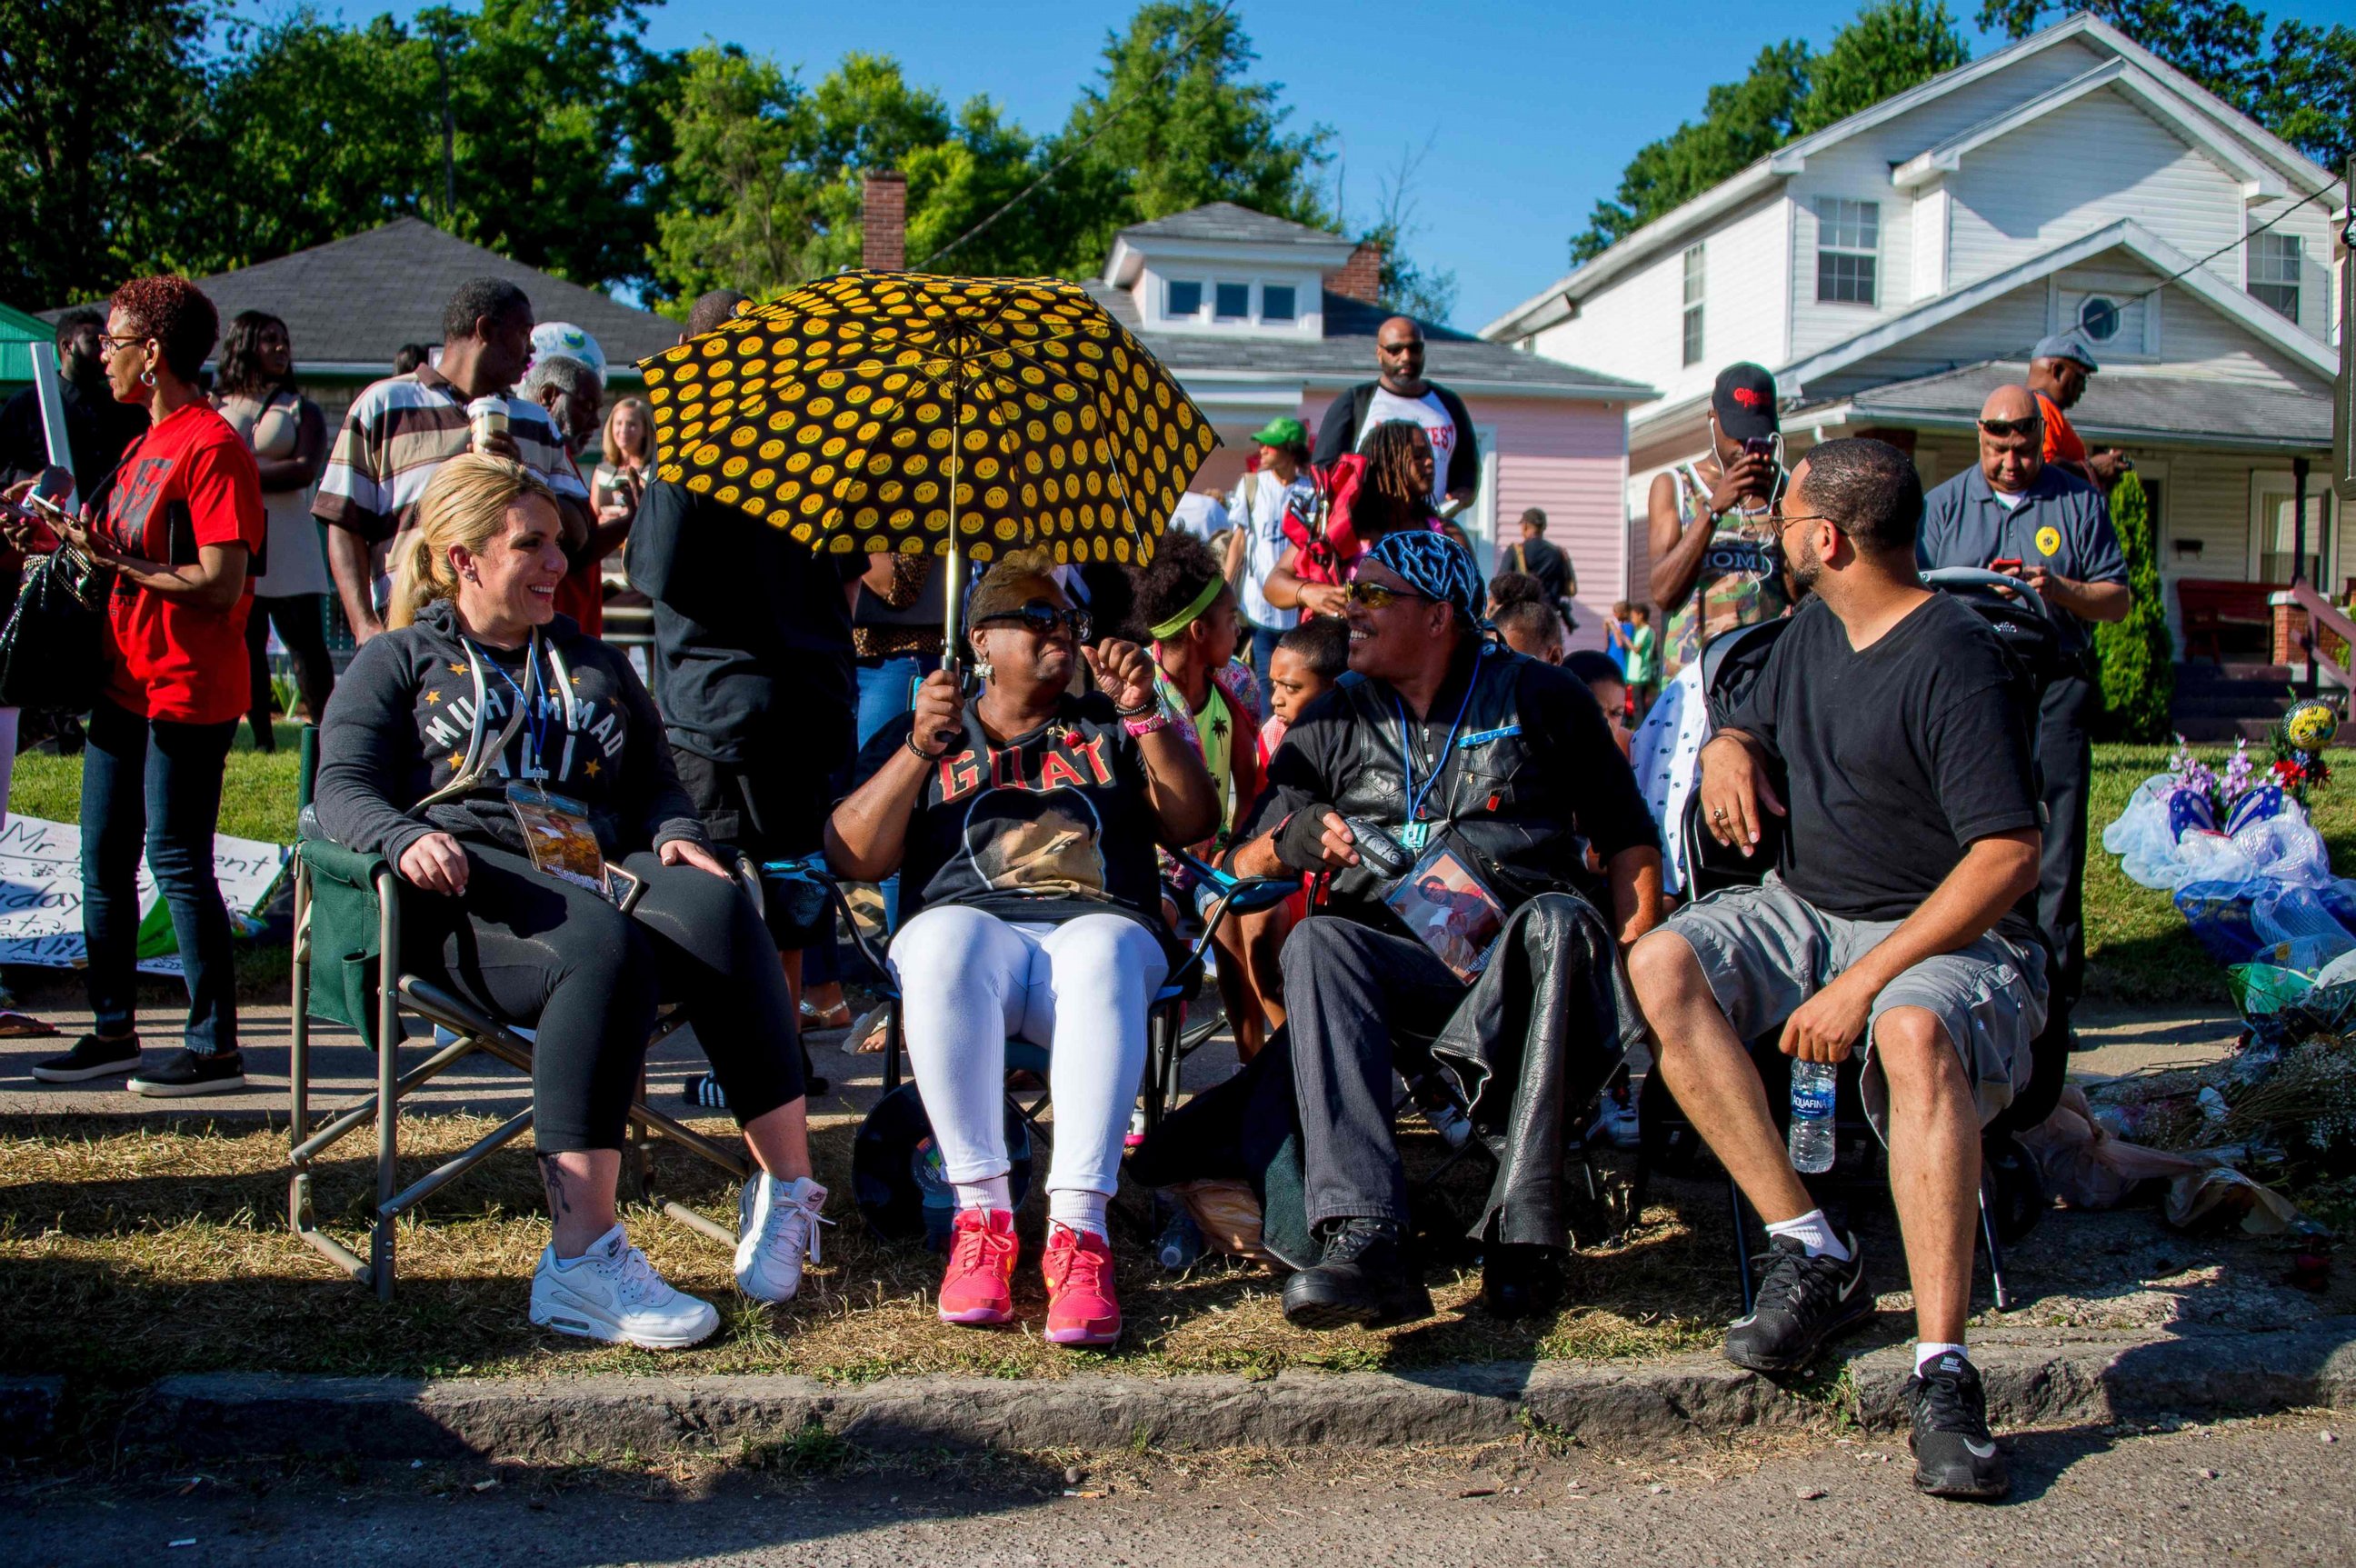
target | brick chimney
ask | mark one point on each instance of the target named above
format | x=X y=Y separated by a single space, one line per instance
x=883 y=218
x=1360 y=277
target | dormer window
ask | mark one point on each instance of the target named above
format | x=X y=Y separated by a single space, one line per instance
x=1185 y=299
x=1233 y=302
x=1276 y=302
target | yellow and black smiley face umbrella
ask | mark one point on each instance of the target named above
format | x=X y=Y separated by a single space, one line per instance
x=878 y=412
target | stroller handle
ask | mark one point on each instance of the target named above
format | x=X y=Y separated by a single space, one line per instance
x=1980 y=577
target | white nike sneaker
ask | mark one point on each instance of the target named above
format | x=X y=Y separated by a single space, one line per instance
x=612 y=1292
x=777 y=1228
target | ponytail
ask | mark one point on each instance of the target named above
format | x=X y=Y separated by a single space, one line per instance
x=465 y=505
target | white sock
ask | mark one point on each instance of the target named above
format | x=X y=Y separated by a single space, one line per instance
x=989 y=1192
x=1813 y=1232
x=1079 y=1209
x=1927 y=1351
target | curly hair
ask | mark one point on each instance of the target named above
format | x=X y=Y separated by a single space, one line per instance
x=175 y=313
x=1183 y=566
x=241 y=372
x=1515 y=588
x=1390 y=473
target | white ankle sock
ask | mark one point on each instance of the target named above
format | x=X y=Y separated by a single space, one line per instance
x=1813 y=1232
x=990 y=1192
x=1927 y=1351
x=1079 y=1211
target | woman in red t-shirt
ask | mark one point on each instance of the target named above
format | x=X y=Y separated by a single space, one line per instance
x=182 y=524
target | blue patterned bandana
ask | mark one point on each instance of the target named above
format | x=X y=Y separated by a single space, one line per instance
x=1433 y=563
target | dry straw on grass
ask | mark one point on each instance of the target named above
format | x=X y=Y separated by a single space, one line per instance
x=165 y=1250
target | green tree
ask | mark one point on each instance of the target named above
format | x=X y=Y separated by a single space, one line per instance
x=98 y=99
x=2299 y=83
x=2137 y=655
x=1171 y=123
x=1889 y=48
x=741 y=204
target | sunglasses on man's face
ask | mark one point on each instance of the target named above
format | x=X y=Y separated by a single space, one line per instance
x=2005 y=429
x=1374 y=597
x=1041 y=618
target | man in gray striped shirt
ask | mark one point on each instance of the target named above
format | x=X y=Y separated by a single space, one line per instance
x=400 y=432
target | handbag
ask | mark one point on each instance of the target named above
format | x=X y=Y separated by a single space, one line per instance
x=53 y=650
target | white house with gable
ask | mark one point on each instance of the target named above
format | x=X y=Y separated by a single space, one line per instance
x=1894 y=268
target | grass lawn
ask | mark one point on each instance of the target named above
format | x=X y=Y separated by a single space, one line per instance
x=2138 y=947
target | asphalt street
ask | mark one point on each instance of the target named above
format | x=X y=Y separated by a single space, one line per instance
x=2273 y=1491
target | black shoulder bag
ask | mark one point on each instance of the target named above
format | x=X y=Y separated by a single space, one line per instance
x=53 y=650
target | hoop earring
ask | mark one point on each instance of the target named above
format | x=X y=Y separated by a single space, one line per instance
x=147 y=377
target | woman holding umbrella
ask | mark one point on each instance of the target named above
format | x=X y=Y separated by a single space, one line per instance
x=1023 y=826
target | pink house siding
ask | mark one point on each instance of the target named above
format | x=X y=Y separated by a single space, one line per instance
x=1569 y=460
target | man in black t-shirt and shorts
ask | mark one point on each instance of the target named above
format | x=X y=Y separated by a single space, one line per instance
x=1893 y=923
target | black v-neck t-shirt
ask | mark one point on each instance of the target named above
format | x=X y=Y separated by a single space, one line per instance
x=1898 y=757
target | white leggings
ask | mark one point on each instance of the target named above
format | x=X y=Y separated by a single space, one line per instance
x=969 y=981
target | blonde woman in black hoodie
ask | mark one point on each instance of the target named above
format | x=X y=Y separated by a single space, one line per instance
x=505 y=764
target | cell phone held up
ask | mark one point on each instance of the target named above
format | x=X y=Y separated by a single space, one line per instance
x=1760 y=446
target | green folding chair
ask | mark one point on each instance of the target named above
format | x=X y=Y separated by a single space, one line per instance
x=346 y=947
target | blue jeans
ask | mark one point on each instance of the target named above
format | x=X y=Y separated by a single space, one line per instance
x=1263 y=647
x=155 y=784
x=887 y=689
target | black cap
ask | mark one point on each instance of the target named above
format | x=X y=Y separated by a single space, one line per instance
x=1744 y=401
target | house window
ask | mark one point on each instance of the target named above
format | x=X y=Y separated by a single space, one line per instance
x=2274 y=261
x=1693 y=306
x=1234 y=302
x=1276 y=302
x=1848 y=246
x=1185 y=299
x=2098 y=318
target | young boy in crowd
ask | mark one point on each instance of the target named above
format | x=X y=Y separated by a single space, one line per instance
x=1616 y=634
x=1307 y=661
x=1643 y=666
x=1530 y=628
x=1611 y=689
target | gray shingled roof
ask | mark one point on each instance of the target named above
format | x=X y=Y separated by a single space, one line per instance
x=1225 y=220
x=358 y=299
x=1347 y=352
x=2124 y=404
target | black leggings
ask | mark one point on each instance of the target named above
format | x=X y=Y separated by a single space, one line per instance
x=303 y=628
x=540 y=952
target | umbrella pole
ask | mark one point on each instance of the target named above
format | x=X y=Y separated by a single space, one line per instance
x=953 y=611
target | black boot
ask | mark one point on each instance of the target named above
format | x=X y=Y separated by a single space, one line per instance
x=1521 y=1282
x=1364 y=1278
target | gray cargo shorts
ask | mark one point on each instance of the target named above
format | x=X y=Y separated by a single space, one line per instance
x=1765 y=950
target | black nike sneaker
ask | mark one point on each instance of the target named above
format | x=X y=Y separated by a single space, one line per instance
x=1363 y=1279
x=1802 y=1303
x=1954 y=1454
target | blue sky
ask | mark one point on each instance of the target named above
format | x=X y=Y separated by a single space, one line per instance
x=1528 y=110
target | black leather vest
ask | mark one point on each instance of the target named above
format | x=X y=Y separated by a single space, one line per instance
x=1489 y=800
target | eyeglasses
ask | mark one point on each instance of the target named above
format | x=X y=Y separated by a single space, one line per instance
x=108 y=346
x=2005 y=429
x=1041 y=618
x=1374 y=597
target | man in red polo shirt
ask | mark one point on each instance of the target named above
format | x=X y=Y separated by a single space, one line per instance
x=2057 y=374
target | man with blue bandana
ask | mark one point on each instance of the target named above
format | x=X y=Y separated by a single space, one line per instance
x=1445 y=793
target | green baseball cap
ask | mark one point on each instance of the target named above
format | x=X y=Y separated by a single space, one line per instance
x=1281 y=432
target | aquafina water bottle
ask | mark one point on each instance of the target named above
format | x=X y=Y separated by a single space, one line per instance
x=1812 y=1116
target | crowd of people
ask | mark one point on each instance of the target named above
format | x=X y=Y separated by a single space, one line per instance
x=1311 y=682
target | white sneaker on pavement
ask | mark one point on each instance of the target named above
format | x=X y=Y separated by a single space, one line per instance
x=612 y=1292
x=777 y=1228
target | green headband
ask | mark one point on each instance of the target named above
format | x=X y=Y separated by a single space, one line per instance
x=1190 y=614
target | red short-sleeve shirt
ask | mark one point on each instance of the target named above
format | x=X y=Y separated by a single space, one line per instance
x=190 y=481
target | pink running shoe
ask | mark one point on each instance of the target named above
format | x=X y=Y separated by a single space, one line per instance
x=978 y=1287
x=1080 y=1305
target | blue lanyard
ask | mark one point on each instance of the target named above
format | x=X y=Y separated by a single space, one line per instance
x=535 y=747
x=1415 y=793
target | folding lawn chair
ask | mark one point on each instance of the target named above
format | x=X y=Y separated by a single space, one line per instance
x=347 y=908
x=1169 y=1038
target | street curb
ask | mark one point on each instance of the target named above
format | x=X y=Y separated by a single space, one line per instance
x=2091 y=1380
